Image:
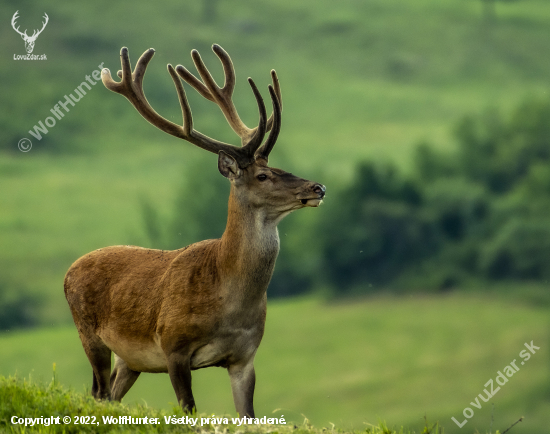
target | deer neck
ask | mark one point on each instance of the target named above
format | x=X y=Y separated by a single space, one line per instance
x=249 y=246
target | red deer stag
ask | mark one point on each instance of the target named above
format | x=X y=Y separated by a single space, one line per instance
x=205 y=304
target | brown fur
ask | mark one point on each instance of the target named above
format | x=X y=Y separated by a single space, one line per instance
x=199 y=306
x=204 y=305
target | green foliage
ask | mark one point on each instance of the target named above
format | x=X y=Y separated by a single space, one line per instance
x=378 y=228
x=199 y=211
x=507 y=161
x=26 y=399
x=480 y=212
x=17 y=306
x=499 y=154
x=477 y=213
x=520 y=250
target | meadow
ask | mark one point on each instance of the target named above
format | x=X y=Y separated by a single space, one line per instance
x=360 y=80
x=385 y=359
x=33 y=399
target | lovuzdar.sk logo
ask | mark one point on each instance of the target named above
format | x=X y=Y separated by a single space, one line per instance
x=29 y=40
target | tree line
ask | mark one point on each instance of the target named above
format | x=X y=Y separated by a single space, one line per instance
x=475 y=214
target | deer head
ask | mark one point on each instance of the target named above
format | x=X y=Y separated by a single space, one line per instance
x=29 y=40
x=246 y=167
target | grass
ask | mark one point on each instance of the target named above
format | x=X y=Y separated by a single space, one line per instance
x=25 y=403
x=379 y=359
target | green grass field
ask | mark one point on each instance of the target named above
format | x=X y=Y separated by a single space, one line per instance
x=381 y=359
x=68 y=410
x=359 y=80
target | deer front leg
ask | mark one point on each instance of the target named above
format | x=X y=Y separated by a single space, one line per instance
x=243 y=380
x=179 y=370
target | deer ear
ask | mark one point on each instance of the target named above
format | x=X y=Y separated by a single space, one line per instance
x=228 y=166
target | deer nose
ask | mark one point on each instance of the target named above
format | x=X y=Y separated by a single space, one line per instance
x=319 y=189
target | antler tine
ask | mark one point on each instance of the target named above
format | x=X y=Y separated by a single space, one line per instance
x=131 y=86
x=194 y=82
x=127 y=67
x=256 y=140
x=229 y=84
x=185 y=108
x=141 y=67
x=277 y=88
x=266 y=148
x=222 y=96
x=228 y=69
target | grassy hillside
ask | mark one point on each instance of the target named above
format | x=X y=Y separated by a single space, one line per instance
x=384 y=359
x=29 y=401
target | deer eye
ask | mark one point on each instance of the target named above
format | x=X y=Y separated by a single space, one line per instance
x=262 y=177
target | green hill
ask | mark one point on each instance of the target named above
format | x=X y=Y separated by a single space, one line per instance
x=68 y=412
x=385 y=359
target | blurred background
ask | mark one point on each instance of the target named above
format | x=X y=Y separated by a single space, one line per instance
x=422 y=275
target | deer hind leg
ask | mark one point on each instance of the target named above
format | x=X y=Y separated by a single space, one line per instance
x=243 y=381
x=99 y=356
x=122 y=379
x=179 y=369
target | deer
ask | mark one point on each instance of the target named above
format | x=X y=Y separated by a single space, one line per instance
x=203 y=305
x=29 y=40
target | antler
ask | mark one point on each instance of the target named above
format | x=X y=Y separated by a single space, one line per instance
x=222 y=96
x=131 y=86
x=37 y=32
x=14 y=18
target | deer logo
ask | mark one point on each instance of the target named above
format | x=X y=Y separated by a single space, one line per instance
x=29 y=40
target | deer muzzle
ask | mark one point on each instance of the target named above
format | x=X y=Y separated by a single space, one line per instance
x=315 y=196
